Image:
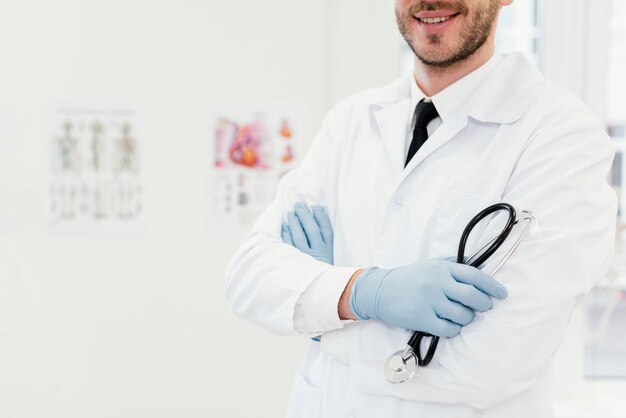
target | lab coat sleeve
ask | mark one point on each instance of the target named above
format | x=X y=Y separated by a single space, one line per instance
x=273 y=284
x=562 y=177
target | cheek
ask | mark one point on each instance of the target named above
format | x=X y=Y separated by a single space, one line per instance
x=402 y=6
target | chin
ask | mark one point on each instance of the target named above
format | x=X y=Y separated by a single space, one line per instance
x=434 y=56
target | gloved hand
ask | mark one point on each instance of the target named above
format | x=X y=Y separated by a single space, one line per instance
x=309 y=232
x=433 y=296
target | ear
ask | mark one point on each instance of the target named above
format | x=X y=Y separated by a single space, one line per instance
x=505 y=2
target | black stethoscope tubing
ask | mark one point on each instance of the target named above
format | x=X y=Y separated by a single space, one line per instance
x=418 y=336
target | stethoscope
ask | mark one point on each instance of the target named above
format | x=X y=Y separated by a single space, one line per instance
x=402 y=365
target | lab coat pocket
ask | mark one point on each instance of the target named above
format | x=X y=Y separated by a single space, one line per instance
x=305 y=400
x=454 y=209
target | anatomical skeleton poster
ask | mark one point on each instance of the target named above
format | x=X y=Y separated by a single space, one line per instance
x=252 y=149
x=95 y=169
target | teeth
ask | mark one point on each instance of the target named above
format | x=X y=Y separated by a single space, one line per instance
x=431 y=20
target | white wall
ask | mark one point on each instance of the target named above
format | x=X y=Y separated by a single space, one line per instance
x=137 y=326
x=366 y=46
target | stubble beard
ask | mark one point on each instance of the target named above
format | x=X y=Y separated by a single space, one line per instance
x=472 y=37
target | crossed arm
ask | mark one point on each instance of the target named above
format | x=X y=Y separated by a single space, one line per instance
x=561 y=176
x=436 y=296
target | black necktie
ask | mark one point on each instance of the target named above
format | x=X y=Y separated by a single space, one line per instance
x=424 y=113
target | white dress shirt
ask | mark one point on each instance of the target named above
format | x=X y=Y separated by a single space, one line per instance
x=449 y=98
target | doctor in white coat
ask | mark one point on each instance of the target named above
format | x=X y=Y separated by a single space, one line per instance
x=501 y=133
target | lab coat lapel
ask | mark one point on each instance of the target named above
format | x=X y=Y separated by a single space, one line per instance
x=501 y=99
x=392 y=120
x=442 y=135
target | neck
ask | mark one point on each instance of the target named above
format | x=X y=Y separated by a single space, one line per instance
x=431 y=80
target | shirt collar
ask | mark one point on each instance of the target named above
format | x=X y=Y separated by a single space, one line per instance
x=452 y=96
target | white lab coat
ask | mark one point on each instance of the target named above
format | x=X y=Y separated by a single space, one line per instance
x=517 y=138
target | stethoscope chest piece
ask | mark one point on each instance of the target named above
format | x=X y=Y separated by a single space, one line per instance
x=401 y=367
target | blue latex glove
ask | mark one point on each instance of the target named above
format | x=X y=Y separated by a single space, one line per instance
x=310 y=232
x=433 y=296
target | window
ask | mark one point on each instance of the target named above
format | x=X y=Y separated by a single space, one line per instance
x=616 y=95
x=519 y=29
x=616 y=107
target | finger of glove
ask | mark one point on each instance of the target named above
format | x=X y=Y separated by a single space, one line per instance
x=321 y=256
x=454 y=312
x=467 y=295
x=309 y=225
x=479 y=279
x=297 y=233
x=286 y=235
x=445 y=328
x=321 y=217
x=450 y=259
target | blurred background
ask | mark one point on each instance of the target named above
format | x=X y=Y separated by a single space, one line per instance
x=138 y=141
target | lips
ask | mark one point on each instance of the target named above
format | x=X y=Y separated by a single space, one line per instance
x=437 y=21
x=435 y=13
x=434 y=20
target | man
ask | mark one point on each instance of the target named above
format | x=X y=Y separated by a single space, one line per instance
x=401 y=170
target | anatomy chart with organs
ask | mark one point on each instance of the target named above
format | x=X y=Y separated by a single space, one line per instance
x=252 y=149
x=95 y=170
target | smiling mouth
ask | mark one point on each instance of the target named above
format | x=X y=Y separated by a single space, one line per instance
x=435 y=20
